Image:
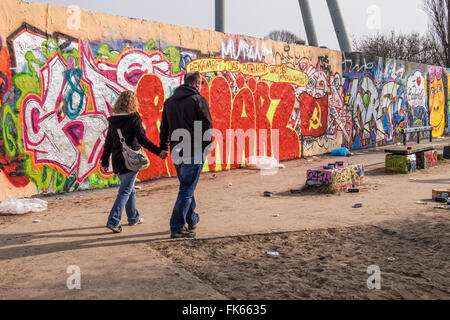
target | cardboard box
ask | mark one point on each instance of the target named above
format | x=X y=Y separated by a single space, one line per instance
x=437 y=193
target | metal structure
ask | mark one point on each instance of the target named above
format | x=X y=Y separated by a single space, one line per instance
x=448 y=34
x=308 y=22
x=339 y=26
x=220 y=15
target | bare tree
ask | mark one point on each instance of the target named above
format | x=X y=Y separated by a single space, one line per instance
x=438 y=12
x=409 y=47
x=285 y=36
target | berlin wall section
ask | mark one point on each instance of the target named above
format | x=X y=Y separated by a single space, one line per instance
x=61 y=71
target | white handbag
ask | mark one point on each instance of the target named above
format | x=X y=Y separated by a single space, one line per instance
x=134 y=160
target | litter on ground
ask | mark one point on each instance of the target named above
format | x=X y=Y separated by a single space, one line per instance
x=22 y=205
x=273 y=254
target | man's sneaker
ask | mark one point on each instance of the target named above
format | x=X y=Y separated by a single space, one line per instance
x=183 y=234
x=117 y=229
x=141 y=221
x=194 y=226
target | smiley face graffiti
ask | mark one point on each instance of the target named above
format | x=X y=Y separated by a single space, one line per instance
x=437 y=83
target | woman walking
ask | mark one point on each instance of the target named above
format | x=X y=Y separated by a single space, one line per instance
x=127 y=119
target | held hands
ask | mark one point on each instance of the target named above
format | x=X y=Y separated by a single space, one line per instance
x=164 y=154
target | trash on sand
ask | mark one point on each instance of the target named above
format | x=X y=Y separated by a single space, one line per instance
x=137 y=187
x=276 y=215
x=439 y=193
x=264 y=163
x=21 y=205
x=214 y=176
x=37 y=221
x=296 y=190
x=353 y=190
x=442 y=200
x=230 y=184
x=274 y=254
x=268 y=194
x=341 y=152
x=447 y=207
x=358 y=205
x=391 y=259
x=422 y=202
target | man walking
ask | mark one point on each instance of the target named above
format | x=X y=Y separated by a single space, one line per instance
x=186 y=115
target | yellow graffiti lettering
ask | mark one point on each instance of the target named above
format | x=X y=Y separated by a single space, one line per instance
x=232 y=66
x=287 y=74
x=206 y=65
x=254 y=69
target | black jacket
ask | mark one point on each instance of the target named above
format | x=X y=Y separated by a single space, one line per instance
x=180 y=112
x=134 y=134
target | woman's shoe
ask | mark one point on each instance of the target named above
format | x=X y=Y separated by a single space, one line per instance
x=141 y=221
x=117 y=229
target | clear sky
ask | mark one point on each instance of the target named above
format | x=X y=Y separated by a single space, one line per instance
x=259 y=17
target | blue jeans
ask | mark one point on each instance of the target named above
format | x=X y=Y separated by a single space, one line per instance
x=126 y=198
x=183 y=211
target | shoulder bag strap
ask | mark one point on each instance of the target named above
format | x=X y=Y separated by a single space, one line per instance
x=122 y=139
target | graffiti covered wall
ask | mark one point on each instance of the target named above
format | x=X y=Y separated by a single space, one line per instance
x=60 y=77
x=385 y=96
x=58 y=85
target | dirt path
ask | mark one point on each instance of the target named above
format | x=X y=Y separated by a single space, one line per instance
x=34 y=256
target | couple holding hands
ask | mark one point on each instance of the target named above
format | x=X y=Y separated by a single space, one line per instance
x=181 y=111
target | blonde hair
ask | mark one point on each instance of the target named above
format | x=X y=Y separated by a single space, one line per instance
x=127 y=102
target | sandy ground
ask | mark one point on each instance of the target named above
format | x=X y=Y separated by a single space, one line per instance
x=325 y=245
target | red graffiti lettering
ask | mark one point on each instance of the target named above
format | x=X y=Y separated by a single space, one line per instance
x=262 y=105
x=150 y=93
x=289 y=147
x=220 y=108
x=243 y=118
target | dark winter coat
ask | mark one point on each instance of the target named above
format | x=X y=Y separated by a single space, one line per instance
x=134 y=134
x=180 y=112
